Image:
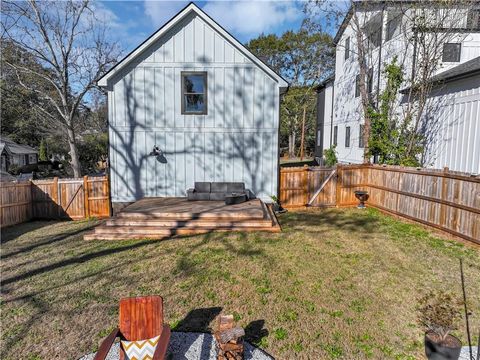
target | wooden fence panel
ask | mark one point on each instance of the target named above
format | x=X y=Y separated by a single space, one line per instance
x=316 y=177
x=446 y=200
x=54 y=199
x=15 y=203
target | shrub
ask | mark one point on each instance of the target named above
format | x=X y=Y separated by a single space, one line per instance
x=439 y=312
x=330 y=156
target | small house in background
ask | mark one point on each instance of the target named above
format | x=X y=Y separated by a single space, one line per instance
x=191 y=103
x=16 y=154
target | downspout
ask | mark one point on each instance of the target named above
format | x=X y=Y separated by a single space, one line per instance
x=331 y=114
x=380 y=57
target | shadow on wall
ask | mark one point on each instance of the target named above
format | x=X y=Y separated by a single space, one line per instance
x=197 y=151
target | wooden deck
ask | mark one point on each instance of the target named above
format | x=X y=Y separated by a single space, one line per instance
x=157 y=218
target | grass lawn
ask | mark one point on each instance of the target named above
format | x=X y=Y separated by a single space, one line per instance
x=340 y=283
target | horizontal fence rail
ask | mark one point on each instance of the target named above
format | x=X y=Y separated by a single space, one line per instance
x=55 y=198
x=446 y=200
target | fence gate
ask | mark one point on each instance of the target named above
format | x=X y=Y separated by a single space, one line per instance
x=308 y=186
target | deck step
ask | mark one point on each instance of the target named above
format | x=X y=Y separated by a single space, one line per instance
x=157 y=230
x=170 y=223
x=122 y=235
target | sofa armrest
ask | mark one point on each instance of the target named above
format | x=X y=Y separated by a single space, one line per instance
x=162 y=345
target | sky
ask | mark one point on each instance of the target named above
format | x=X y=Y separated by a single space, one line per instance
x=131 y=22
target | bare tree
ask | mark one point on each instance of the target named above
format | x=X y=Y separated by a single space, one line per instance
x=71 y=44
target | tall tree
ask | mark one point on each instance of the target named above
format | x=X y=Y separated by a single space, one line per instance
x=71 y=44
x=303 y=58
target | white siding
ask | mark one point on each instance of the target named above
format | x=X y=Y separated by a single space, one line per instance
x=236 y=141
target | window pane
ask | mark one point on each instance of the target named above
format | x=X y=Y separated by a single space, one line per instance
x=194 y=103
x=347 y=136
x=335 y=135
x=361 y=139
x=193 y=84
x=451 y=52
x=357 y=85
x=347 y=48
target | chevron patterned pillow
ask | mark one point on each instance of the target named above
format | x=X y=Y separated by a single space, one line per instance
x=140 y=349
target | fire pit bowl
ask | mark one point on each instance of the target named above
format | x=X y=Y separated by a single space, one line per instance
x=362 y=196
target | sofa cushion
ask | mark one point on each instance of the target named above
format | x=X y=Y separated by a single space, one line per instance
x=219 y=187
x=202 y=187
x=235 y=187
x=217 y=196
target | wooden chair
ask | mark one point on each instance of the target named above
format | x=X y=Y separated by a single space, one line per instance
x=140 y=318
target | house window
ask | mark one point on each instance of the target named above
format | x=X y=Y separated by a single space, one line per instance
x=335 y=135
x=473 y=19
x=373 y=31
x=394 y=22
x=451 y=52
x=370 y=80
x=357 y=85
x=194 y=92
x=347 y=136
x=347 y=48
x=361 y=140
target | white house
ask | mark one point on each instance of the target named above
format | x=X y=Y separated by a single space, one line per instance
x=454 y=140
x=205 y=101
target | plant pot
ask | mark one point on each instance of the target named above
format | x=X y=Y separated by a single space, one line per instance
x=449 y=350
x=362 y=196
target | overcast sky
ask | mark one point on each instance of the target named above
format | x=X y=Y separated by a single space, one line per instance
x=133 y=21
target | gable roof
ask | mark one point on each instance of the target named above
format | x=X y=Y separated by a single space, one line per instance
x=15 y=148
x=191 y=7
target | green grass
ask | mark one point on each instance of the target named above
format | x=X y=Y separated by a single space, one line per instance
x=335 y=284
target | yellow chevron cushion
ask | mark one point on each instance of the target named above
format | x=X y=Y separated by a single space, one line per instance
x=140 y=349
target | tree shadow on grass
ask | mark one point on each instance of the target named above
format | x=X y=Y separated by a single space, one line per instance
x=15 y=231
x=336 y=219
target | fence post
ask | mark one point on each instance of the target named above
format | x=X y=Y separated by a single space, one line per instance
x=443 y=196
x=338 y=188
x=305 y=185
x=86 y=206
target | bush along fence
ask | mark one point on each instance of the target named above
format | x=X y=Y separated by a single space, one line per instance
x=54 y=199
x=443 y=199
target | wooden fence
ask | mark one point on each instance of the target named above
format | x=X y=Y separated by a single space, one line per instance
x=54 y=199
x=449 y=201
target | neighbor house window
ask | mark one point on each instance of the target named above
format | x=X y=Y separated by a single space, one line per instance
x=347 y=136
x=394 y=22
x=361 y=140
x=473 y=19
x=335 y=135
x=194 y=92
x=347 y=48
x=451 y=52
x=370 y=80
x=357 y=85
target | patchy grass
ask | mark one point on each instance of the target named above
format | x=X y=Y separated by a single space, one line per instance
x=334 y=284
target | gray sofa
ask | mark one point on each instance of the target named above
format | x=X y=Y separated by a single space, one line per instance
x=215 y=190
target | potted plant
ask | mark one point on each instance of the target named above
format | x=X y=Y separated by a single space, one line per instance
x=276 y=205
x=439 y=313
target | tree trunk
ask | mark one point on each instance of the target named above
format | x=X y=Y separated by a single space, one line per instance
x=291 y=145
x=302 y=140
x=75 y=160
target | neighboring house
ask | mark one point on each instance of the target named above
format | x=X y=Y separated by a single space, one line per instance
x=454 y=102
x=205 y=101
x=16 y=154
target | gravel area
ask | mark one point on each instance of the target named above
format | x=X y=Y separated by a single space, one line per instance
x=192 y=346
x=465 y=354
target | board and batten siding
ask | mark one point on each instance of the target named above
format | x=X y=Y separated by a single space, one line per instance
x=236 y=141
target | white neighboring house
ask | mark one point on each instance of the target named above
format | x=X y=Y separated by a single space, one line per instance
x=191 y=103
x=455 y=141
x=16 y=154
